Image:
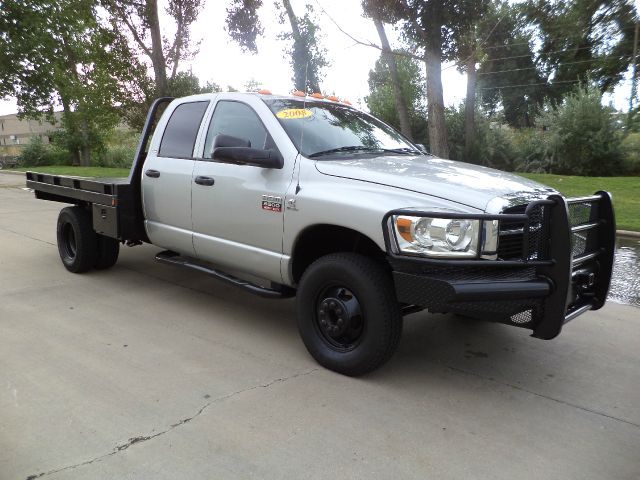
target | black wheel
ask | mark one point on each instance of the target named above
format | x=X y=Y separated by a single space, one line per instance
x=108 y=250
x=77 y=243
x=348 y=316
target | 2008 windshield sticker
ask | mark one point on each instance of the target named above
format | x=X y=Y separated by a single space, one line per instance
x=294 y=113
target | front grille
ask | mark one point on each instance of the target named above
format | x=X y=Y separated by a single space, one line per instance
x=517 y=241
x=583 y=219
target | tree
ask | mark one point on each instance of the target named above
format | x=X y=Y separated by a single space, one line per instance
x=307 y=57
x=435 y=29
x=60 y=53
x=141 y=20
x=377 y=15
x=587 y=140
x=382 y=98
x=469 y=50
x=508 y=76
x=583 y=41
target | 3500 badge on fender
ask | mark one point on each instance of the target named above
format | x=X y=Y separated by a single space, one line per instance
x=271 y=203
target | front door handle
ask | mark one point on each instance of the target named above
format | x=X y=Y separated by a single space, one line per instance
x=208 y=181
x=152 y=173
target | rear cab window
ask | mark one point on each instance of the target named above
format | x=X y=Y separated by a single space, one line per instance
x=179 y=136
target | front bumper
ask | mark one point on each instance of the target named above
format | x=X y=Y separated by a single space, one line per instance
x=564 y=268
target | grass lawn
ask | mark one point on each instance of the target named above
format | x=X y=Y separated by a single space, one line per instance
x=625 y=191
x=77 y=171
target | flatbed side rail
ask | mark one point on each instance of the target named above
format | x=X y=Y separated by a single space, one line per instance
x=71 y=190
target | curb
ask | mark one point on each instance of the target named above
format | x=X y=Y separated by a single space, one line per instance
x=627 y=233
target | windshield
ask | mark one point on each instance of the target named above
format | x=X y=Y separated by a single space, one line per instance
x=326 y=130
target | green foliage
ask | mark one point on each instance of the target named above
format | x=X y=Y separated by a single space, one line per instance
x=120 y=149
x=37 y=153
x=307 y=56
x=534 y=150
x=579 y=137
x=33 y=154
x=583 y=40
x=586 y=139
x=631 y=153
x=243 y=23
x=506 y=60
x=493 y=145
x=381 y=102
x=60 y=53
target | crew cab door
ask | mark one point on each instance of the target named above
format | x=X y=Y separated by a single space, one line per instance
x=167 y=177
x=237 y=210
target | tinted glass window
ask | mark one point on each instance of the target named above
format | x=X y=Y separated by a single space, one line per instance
x=180 y=135
x=238 y=120
x=318 y=127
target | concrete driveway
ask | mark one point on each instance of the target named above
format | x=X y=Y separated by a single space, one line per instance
x=147 y=371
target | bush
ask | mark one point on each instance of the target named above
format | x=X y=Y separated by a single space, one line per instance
x=493 y=146
x=115 y=157
x=534 y=150
x=34 y=153
x=586 y=139
x=120 y=148
x=37 y=154
x=631 y=154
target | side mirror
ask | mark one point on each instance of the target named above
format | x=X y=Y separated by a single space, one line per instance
x=249 y=156
x=422 y=148
x=222 y=140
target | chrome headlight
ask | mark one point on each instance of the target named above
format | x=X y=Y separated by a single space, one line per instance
x=441 y=237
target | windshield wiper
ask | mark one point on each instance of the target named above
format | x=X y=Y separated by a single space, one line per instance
x=353 y=148
x=403 y=151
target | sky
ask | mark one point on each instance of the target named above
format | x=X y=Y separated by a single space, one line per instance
x=223 y=62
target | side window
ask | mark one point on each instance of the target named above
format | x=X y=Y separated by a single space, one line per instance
x=238 y=120
x=180 y=134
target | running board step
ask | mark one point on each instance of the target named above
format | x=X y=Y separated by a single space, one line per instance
x=173 y=258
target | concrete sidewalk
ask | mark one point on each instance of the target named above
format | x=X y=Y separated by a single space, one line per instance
x=147 y=371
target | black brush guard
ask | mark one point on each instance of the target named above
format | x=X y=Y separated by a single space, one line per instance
x=564 y=268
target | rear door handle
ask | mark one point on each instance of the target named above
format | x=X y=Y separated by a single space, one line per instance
x=152 y=173
x=208 y=181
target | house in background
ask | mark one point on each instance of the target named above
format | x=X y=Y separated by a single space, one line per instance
x=15 y=132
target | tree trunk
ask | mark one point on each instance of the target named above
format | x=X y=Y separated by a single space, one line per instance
x=157 y=56
x=304 y=79
x=470 y=108
x=438 y=143
x=401 y=103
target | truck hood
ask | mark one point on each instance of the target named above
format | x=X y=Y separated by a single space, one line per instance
x=464 y=183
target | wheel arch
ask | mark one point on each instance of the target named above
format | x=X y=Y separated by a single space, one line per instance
x=322 y=239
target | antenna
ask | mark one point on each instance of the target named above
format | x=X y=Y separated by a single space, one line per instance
x=304 y=106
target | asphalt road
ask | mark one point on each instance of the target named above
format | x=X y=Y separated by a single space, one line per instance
x=146 y=371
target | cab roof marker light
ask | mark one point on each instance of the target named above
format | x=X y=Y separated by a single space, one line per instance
x=333 y=98
x=346 y=102
x=317 y=95
x=298 y=93
x=264 y=92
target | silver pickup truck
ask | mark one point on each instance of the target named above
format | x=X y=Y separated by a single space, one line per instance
x=304 y=196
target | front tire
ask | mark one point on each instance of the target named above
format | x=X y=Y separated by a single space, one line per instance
x=348 y=315
x=77 y=242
